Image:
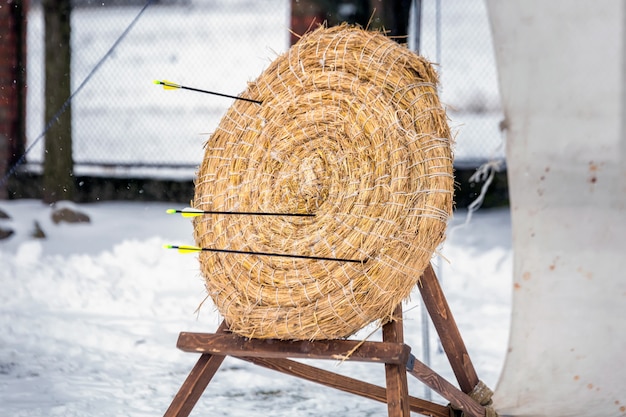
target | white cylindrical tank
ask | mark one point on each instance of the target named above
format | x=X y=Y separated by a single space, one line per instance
x=562 y=74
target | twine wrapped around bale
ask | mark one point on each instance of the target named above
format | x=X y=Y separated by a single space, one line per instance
x=350 y=129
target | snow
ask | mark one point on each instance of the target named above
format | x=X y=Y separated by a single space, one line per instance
x=89 y=318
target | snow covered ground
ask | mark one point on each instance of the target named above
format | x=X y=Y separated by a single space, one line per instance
x=89 y=318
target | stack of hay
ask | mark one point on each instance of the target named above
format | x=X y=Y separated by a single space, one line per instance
x=350 y=129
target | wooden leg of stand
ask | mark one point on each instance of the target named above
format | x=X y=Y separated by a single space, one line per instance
x=446 y=327
x=195 y=384
x=397 y=387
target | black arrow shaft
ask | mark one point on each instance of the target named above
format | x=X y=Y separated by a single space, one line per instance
x=221 y=94
x=246 y=213
x=317 y=258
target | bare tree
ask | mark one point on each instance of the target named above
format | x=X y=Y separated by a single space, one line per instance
x=58 y=171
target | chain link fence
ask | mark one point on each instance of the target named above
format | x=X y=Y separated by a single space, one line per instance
x=123 y=124
x=456 y=35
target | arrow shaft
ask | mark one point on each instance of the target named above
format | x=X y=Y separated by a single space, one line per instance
x=284 y=255
x=221 y=94
x=245 y=213
x=185 y=248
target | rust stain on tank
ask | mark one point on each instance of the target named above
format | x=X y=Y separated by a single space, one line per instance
x=584 y=273
x=593 y=170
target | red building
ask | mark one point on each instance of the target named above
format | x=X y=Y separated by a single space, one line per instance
x=12 y=84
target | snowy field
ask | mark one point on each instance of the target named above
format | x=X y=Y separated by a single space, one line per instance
x=122 y=117
x=89 y=318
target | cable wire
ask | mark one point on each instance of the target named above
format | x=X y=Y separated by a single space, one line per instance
x=67 y=102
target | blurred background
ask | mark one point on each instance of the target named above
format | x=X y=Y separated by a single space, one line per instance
x=127 y=132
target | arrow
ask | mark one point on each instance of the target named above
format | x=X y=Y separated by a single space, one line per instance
x=192 y=212
x=191 y=249
x=168 y=85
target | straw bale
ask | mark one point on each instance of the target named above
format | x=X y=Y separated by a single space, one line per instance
x=350 y=129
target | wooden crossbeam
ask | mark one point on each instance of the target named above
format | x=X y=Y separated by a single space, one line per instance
x=458 y=399
x=351 y=350
x=346 y=384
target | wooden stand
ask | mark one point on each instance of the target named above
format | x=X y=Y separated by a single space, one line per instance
x=392 y=351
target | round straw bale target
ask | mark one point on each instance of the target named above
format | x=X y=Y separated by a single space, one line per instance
x=351 y=131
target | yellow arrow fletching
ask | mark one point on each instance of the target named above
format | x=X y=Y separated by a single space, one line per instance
x=188 y=249
x=191 y=212
x=184 y=248
x=186 y=212
x=167 y=85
